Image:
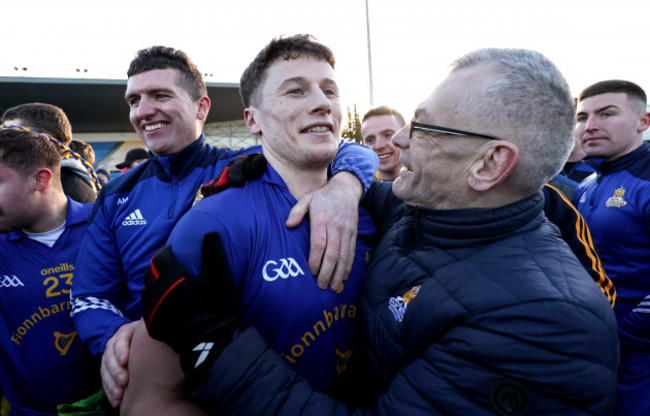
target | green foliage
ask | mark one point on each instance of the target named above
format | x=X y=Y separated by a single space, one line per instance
x=352 y=128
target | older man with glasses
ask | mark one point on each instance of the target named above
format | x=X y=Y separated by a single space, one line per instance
x=472 y=304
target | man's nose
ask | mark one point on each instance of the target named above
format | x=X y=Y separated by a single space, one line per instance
x=381 y=142
x=321 y=102
x=591 y=123
x=145 y=109
x=401 y=137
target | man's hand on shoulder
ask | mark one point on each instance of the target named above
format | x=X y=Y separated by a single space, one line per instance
x=333 y=216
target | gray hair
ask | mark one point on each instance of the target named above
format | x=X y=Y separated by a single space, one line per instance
x=528 y=102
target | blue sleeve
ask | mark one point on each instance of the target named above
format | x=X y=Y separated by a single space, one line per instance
x=356 y=159
x=96 y=294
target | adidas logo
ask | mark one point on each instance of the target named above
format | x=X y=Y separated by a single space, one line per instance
x=134 y=218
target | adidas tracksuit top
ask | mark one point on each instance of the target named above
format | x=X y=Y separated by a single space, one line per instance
x=42 y=361
x=312 y=329
x=133 y=217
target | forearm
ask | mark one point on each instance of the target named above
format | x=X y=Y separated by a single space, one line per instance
x=356 y=159
x=96 y=320
x=155 y=380
x=348 y=182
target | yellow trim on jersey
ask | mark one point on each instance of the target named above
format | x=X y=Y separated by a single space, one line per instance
x=584 y=236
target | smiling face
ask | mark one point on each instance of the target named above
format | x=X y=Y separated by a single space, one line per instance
x=162 y=112
x=610 y=125
x=377 y=132
x=298 y=115
x=436 y=166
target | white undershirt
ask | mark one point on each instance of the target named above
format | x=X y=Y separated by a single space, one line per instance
x=48 y=237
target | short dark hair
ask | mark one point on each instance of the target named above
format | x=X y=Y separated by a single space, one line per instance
x=26 y=151
x=292 y=47
x=162 y=57
x=45 y=118
x=614 y=85
x=83 y=149
x=384 y=110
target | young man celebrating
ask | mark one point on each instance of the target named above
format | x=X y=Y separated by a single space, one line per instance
x=611 y=118
x=42 y=360
x=378 y=127
x=136 y=212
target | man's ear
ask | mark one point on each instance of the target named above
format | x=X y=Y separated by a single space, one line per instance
x=493 y=165
x=644 y=122
x=42 y=179
x=204 y=108
x=251 y=121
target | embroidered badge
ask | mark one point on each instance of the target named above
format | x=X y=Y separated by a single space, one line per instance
x=617 y=200
x=398 y=305
x=197 y=196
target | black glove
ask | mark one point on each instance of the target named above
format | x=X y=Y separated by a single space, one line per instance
x=236 y=173
x=196 y=316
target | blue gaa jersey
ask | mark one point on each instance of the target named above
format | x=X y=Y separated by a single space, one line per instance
x=42 y=362
x=133 y=217
x=313 y=329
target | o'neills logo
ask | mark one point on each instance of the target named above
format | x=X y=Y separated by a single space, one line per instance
x=63 y=267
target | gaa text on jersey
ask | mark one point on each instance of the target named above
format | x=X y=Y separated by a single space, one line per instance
x=284 y=269
x=10 y=281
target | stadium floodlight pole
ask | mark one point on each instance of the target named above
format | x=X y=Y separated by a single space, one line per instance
x=372 y=100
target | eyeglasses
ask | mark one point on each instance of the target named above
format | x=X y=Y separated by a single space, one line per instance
x=446 y=130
